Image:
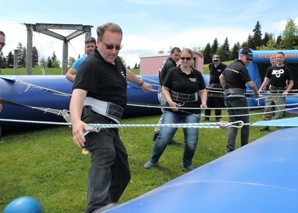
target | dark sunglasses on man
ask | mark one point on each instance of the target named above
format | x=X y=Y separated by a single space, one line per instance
x=110 y=46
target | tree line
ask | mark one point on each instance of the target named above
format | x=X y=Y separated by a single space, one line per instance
x=287 y=41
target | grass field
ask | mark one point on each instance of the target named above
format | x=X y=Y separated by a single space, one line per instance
x=46 y=165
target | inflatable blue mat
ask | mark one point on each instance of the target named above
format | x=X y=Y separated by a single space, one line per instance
x=259 y=177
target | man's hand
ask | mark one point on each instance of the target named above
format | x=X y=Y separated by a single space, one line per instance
x=146 y=87
x=77 y=133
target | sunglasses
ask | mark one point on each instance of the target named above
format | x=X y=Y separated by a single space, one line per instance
x=187 y=58
x=2 y=44
x=215 y=60
x=110 y=46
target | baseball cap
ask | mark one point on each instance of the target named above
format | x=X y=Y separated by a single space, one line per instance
x=247 y=52
x=215 y=58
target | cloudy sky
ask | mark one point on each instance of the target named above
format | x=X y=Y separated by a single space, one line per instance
x=148 y=26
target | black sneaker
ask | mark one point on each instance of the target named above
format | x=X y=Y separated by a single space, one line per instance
x=173 y=142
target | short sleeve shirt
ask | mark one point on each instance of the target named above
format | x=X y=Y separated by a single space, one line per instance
x=179 y=81
x=279 y=76
x=102 y=80
x=236 y=75
x=78 y=62
x=215 y=72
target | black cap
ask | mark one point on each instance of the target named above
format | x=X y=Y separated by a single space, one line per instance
x=247 y=52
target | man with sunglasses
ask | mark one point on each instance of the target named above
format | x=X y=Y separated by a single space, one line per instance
x=214 y=88
x=163 y=71
x=277 y=76
x=233 y=80
x=99 y=96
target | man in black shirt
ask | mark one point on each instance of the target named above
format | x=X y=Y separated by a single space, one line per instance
x=99 y=96
x=278 y=77
x=233 y=80
x=163 y=71
x=215 y=88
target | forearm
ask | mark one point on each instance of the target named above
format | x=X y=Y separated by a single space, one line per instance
x=76 y=104
x=131 y=77
x=203 y=96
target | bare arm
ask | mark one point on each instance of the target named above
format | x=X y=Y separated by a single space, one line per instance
x=252 y=86
x=291 y=84
x=70 y=75
x=131 y=77
x=166 y=93
x=203 y=95
x=264 y=84
x=76 y=107
x=222 y=80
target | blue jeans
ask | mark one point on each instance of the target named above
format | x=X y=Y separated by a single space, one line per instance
x=109 y=173
x=191 y=136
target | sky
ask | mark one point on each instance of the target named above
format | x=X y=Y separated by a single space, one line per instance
x=148 y=26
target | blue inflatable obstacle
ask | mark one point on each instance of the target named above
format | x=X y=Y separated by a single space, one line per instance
x=259 y=177
x=54 y=91
x=257 y=69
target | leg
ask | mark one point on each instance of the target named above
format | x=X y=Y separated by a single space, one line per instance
x=279 y=101
x=120 y=170
x=166 y=134
x=191 y=136
x=232 y=133
x=218 y=102
x=268 y=102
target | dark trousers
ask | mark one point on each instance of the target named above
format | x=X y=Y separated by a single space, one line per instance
x=109 y=173
x=216 y=103
x=237 y=102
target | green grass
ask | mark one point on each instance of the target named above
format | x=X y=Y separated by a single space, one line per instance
x=46 y=165
x=35 y=71
x=206 y=66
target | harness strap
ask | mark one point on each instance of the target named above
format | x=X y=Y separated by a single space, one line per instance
x=184 y=98
x=234 y=92
x=108 y=109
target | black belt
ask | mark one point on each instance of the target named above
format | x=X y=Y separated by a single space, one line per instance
x=274 y=89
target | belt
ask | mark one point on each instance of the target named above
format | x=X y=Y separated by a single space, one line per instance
x=215 y=85
x=182 y=97
x=274 y=89
x=234 y=92
x=108 y=109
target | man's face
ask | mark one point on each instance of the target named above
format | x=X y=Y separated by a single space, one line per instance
x=245 y=60
x=273 y=61
x=175 y=56
x=89 y=48
x=216 y=63
x=2 y=40
x=109 y=39
x=279 y=59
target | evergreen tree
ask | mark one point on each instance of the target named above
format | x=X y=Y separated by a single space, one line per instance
x=290 y=35
x=54 y=57
x=9 y=59
x=226 y=50
x=250 y=43
x=235 y=51
x=214 y=47
x=265 y=39
x=34 y=57
x=22 y=62
x=50 y=62
x=207 y=54
x=244 y=44
x=2 y=60
x=278 y=40
x=257 y=37
x=136 y=66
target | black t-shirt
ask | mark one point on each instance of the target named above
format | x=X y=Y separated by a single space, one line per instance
x=164 y=68
x=215 y=72
x=279 y=76
x=102 y=80
x=236 y=75
x=178 y=81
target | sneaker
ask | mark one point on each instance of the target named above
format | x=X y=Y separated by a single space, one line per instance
x=148 y=165
x=110 y=205
x=189 y=168
x=265 y=128
x=85 y=151
x=205 y=119
x=155 y=136
x=173 y=142
x=217 y=119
